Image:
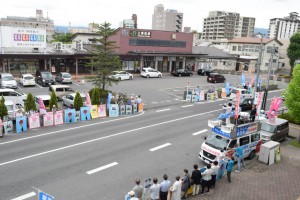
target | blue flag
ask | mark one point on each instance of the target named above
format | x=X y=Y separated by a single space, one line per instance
x=109 y=99
x=243 y=80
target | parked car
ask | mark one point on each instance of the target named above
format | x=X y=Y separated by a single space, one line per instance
x=10 y=108
x=150 y=72
x=121 y=75
x=44 y=78
x=60 y=90
x=205 y=71
x=216 y=78
x=45 y=98
x=277 y=129
x=27 y=80
x=182 y=72
x=246 y=104
x=12 y=95
x=63 y=77
x=7 y=81
x=68 y=100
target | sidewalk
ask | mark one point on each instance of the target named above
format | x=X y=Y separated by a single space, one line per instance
x=262 y=182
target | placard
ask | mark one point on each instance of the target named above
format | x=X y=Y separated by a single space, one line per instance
x=113 y=110
x=8 y=126
x=77 y=116
x=21 y=124
x=48 y=119
x=102 y=110
x=69 y=116
x=94 y=111
x=141 y=107
x=85 y=113
x=58 y=117
x=188 y=97
x=128 y=109
x=202 y=98
x=34 y=120
x=122 y=110
x=223 y=94
x=135 y=108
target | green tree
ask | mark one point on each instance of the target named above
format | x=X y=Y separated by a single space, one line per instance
x=53 y=100
x=292 y=95
x=62 y=37
x=104 y=59
x=3 y=108
x=78 y=103
x=293 y=51
x=95 y=97
x=30 y=103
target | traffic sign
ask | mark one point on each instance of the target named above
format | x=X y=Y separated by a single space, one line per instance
x=45 y=196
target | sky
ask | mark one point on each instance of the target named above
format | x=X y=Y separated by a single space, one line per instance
x=81 y=13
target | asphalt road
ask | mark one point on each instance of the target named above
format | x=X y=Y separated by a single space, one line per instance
x=101 y=158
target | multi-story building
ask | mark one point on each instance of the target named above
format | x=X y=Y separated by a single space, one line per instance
x=31 y=22
x=166 y=20
x=227 y=25
x=284 y=28
x=129 y=23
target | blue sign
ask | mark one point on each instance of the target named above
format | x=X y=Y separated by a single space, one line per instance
x=113 y=110
x=225 y=115
x=218 y=131
x=21 y=124
x=45 y=196
x=70 y=116
x=85 y=113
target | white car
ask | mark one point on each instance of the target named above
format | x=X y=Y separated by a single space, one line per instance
x=45 y=98
x=8 y=81
x=121 y=75
x=150 y=72
x=68 y=100
x=12 y=95
x=64 y=77
x=27 y=80
x=10 y=108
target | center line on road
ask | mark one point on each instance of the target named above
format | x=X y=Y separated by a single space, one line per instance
x=163 y=110
x=199 y=132
x=160 y=147
x=25 y=196
x=101 y=168
x=187 y=106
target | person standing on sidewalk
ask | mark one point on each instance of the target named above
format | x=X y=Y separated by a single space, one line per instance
x=154 y=190
x=186 y=183
x=215 y=169
x=240 y=157
x=164 y=188
x=206 y=176
x=229 y=169
x=138 y=189
x=176 y=189
x=196 y=179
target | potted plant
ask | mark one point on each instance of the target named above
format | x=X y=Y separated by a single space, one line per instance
x=3 y=108
x=53 y=100
x=30 y=104
x=78 y=103
x=95 y=96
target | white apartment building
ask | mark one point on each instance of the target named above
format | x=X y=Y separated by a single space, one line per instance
x=166 y=20
x=284 y=28
x=31 y=22
x=227 y=25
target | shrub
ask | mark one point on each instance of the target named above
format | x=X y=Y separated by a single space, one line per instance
x=288 y=117
x=53 y=100
x=30 y=103
x=3 y=108
x=78 y=103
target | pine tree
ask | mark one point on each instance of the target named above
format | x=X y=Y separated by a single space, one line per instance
x=30 y=103
x=292 y=95
x=293 y=51
x=104 y=59
x=96 y=96
x=53 y=100
x=3 y=108
x=78 y=103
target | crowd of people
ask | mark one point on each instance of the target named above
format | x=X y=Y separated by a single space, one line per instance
x=199 y=182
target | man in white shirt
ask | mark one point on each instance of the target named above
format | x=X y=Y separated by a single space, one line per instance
x=154 y=190
x=206 y=179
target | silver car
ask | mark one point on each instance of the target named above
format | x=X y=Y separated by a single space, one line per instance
x=68 y=100
x=8 y=81
x=63 y=77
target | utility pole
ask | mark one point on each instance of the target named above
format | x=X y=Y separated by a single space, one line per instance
x=258 y=64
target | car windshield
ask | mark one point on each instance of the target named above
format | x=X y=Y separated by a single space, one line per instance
x=28 y=77
x=268 y=127
x=8 y=78
x=216 y=141
x=46 y=75
x=67 y=75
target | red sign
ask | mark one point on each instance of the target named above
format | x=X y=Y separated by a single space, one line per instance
x=237 y=105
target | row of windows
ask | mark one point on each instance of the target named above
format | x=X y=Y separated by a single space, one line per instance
x=156 y=43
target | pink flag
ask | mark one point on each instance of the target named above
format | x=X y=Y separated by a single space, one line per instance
x=87 y=99
x=276 y=102
x=237 y=104
x=41 y=103
x=251 y=82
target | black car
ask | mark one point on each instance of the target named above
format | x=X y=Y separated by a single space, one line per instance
x=205 y=72
x=246 y=104
x=216 y=78
x=44 y=78
x=182 y=72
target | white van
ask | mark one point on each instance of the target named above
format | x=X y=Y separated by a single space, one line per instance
x=224 y=137
x=60 y=90
x=244 y=94
x=12 y=95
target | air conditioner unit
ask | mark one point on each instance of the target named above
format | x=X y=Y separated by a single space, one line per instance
x=59 y=46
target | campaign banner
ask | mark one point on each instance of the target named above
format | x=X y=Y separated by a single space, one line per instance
x=94 y=111
x=69 y=116
x=202 y=98
x=113 y=110
x=128 y=109
x=188 y=97
x=48 y=119
x=102 y=110
x=197 y=93
x=251 y=82
x=223 y=94
x=243 y=80
x=122 y=110
x=237 y=105
x=85 y=113
x=58 y=117
x=258 y=101
x=77 y=116
x=21 y=124
x=272 y=113
x=8 y=126
x=193 y=98
x=134 y=108
x=34 y=120
x=141 y=107
x=216 y=95
x=227 y=88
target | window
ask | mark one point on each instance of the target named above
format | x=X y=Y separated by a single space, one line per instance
x=244 y=141
x=283 y=126
x=59 y=89
x=255 y=137
x=159 y=43
x=233 y=48
x=232 y=143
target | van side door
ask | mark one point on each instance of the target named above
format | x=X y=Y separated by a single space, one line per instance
x=244 y=142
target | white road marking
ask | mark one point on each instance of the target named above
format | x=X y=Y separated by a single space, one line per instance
x=50 y=133
x=105 y=137
x=101 y=168
x=176 y=99
x=160 y=147
x=75 y=83
x=187 y=106
x=162 y=101
x=38 y=85
x=175 y=90
x=154 y=102
x=199 y=132
x=163 y=110
x=168 y=100
x=25 y=196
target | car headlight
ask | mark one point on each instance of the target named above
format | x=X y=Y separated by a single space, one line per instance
x=43 y=80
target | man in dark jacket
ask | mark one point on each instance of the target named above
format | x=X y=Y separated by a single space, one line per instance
x=196 y=179
x=253 y=113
